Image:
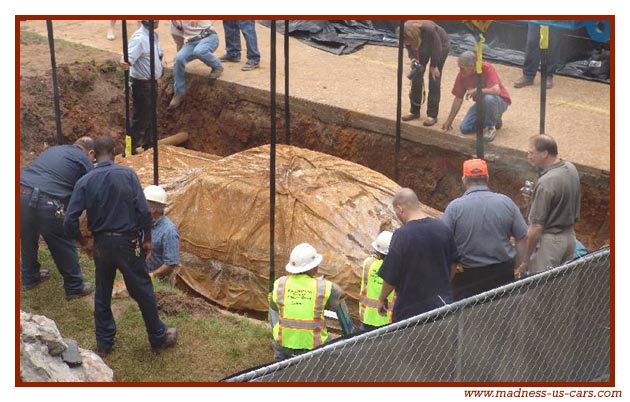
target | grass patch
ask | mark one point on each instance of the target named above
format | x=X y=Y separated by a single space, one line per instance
x=209 y=348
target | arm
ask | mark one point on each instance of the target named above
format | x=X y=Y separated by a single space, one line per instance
x=163 y=270
x=382 y=298
x=75 y=208
x=521 y=249
x=455 y=106
x=493 y=90
x=533 y=235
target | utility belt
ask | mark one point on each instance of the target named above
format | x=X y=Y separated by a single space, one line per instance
x=36 y=195
x=132 y=234
x=203 y=34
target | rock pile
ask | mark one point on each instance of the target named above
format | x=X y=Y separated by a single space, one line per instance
x=45 y=356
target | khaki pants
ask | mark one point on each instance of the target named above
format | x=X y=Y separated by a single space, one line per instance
x=553 y=250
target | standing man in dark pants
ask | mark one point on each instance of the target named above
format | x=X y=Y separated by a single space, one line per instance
x=483 y=223
x=120 y=220
x=426 y=42
x=140 y=72
x=532 y=56
x=232 y=30
x=419 y=263
x=45 y=189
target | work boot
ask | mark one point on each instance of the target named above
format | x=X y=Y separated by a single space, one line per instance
x=410 y=116
x=226 y=57
x=103 y=352
x=524 y=81
x=549 y=82
x=44 y=275
x=216 y=73
x=430 y=121
x=169 y=341
x=86 y=290
x=175 y=102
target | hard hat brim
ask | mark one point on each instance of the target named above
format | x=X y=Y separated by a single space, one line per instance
x=292 y=269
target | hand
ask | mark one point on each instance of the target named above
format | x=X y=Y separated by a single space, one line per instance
x=147 y=250
x=124 y=65
x=471 y=94
x=382 y=307
x=447 y=126
x=435 y=73
x=520 y=271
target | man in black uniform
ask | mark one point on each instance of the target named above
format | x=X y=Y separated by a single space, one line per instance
x=120 y=220
x=45 y=189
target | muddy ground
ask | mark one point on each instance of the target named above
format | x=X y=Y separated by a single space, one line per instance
x=218 y=121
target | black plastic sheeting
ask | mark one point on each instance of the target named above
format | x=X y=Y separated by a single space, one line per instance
x=505 y=41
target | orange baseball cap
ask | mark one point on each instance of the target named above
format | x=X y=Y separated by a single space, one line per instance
x=475 y=167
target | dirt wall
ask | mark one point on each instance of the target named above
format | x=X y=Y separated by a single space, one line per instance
x=224 y=118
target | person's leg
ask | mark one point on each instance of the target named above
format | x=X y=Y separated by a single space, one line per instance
x=532 y=51
x=140 y=288
x=29 y=239
x=203 y=50
x=469 y=123
x=141 y=116
x=111 y=35
x=62 y=249
x=104 y=273
x=182 y=58
x=433 y=101
x=248 y=28
x=494 y=106
x=415 y=95
x=232 y=39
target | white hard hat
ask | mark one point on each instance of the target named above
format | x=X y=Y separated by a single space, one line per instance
x=303 y=258
x=381 y=244
x=155 y=194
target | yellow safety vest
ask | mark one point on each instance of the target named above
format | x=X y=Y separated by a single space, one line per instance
x=371 y=285
x=301 y=300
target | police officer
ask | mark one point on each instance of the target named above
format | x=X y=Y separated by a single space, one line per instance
x=45 y=189
x=371 y=285
x=120 y=220
x=297 y=304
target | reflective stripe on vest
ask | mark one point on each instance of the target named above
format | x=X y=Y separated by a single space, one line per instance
x=301 y=300
x=371 y=285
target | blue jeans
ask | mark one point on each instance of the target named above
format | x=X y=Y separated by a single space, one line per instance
x=532 y=51
x=40 y=219
x=233 y=29
x=119 y=252
x=494 y=106
x=200 y=49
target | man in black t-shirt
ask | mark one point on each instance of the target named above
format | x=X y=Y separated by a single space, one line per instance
x=421 y=258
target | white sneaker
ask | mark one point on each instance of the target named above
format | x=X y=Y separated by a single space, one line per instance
x=489 y=133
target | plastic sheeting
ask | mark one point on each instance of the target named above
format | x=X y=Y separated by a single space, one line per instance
x=223 y=218
x=505 y=40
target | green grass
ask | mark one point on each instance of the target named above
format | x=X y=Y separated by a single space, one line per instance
x=208 y=349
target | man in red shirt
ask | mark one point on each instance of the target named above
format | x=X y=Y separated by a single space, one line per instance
x=495 y=96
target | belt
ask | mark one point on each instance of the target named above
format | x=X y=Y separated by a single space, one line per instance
x=141 y=82
x=28 y=191
x=118 y=234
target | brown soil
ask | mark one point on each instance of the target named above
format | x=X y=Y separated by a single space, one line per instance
x=173 y=303
x=223 y=118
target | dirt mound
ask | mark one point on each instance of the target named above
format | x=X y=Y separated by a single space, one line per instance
x=173 y=303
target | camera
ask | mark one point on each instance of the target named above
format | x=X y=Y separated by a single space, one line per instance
x=528 y=189
x=417 y=69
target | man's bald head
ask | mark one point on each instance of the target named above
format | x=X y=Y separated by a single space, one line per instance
x=407 y=199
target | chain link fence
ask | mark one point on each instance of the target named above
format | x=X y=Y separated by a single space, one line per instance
x=550 y=327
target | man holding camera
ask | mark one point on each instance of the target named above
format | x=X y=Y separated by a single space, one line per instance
x=200 y=41
x=426 y=42
x=554 y=210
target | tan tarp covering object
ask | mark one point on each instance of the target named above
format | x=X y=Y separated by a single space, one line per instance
x=222 y=213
